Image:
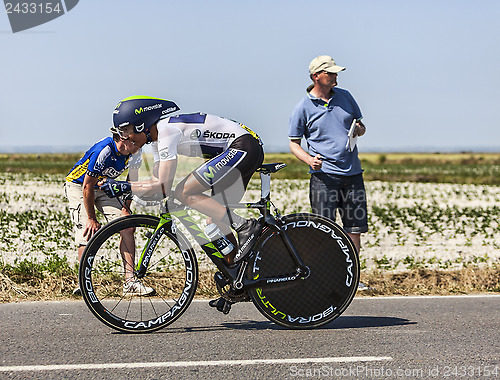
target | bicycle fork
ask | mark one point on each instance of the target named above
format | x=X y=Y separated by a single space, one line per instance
x=165 y=224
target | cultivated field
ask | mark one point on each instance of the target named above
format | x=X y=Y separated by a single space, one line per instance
x=416 y=228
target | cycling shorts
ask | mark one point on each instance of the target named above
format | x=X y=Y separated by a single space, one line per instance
x=235 y=165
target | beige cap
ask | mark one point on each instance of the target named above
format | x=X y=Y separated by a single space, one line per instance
x=324 y=63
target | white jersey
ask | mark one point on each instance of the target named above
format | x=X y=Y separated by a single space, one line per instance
x=196 y=134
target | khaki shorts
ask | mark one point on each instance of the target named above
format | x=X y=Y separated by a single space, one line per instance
x=109 y=207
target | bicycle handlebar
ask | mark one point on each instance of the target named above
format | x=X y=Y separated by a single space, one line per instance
x=143 y=201
x=155 y=200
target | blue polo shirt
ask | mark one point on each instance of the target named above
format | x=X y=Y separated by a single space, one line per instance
x=325 y=125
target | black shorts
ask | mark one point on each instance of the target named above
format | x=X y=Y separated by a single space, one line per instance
x=228 y=173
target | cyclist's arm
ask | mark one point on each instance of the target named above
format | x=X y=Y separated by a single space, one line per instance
x=132 y=176
x=165 y=166
x=89 y=204
x=156 y=168
x=156 y=158
x=135 y=163
x=160 y=185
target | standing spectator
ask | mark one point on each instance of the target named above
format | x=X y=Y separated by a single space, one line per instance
x=107 y=158
x=324 y=117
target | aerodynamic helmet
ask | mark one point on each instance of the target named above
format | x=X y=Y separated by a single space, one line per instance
x=141 y=112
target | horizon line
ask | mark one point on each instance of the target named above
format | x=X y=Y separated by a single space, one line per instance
x=41 y=149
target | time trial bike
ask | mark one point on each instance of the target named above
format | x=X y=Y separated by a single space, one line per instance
x=302 y=272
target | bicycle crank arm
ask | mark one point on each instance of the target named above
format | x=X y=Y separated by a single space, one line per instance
x=238 y=282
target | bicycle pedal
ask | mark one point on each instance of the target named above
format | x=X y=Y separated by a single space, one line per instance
x=220 y=279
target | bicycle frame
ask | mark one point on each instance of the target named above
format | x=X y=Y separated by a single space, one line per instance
x=235 y=274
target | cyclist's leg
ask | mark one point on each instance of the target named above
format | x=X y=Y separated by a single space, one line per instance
x=190 y=192
x=227 y=173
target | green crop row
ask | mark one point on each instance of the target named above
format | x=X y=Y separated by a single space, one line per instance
x=442 y=168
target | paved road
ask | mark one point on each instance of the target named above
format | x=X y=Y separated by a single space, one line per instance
x=427 y=337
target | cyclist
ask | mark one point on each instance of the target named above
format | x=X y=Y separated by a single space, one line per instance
x=107 y=158
x=232 y=151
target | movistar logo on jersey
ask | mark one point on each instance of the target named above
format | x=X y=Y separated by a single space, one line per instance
x=209 y=174
x=216 y=169
x=140 y=110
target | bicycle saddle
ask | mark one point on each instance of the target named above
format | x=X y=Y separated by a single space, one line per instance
x=271 y=168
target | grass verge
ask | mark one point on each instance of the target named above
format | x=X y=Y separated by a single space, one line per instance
x=473 y=279
x=58 y=286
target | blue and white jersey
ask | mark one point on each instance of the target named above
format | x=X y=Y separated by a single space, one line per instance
x=197 y=134
x=102 y=160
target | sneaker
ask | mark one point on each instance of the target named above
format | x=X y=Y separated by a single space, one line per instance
x=362 y=286
x=136 y=288
x=77 y=292
x=248 y=233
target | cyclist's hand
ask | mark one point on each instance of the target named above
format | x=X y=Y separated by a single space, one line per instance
x=91 y=228
x=114 y=188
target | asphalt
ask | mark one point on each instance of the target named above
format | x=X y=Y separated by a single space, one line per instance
x=386 y=337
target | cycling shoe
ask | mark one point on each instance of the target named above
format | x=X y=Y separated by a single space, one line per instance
x=222 y=305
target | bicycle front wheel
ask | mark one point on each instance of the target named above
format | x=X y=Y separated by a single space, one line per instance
x=333 y=263
x=122 y=301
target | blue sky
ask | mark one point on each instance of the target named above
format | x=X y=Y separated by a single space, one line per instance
x=425 y=73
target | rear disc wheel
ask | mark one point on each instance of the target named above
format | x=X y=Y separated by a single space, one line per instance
x=329 y=288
